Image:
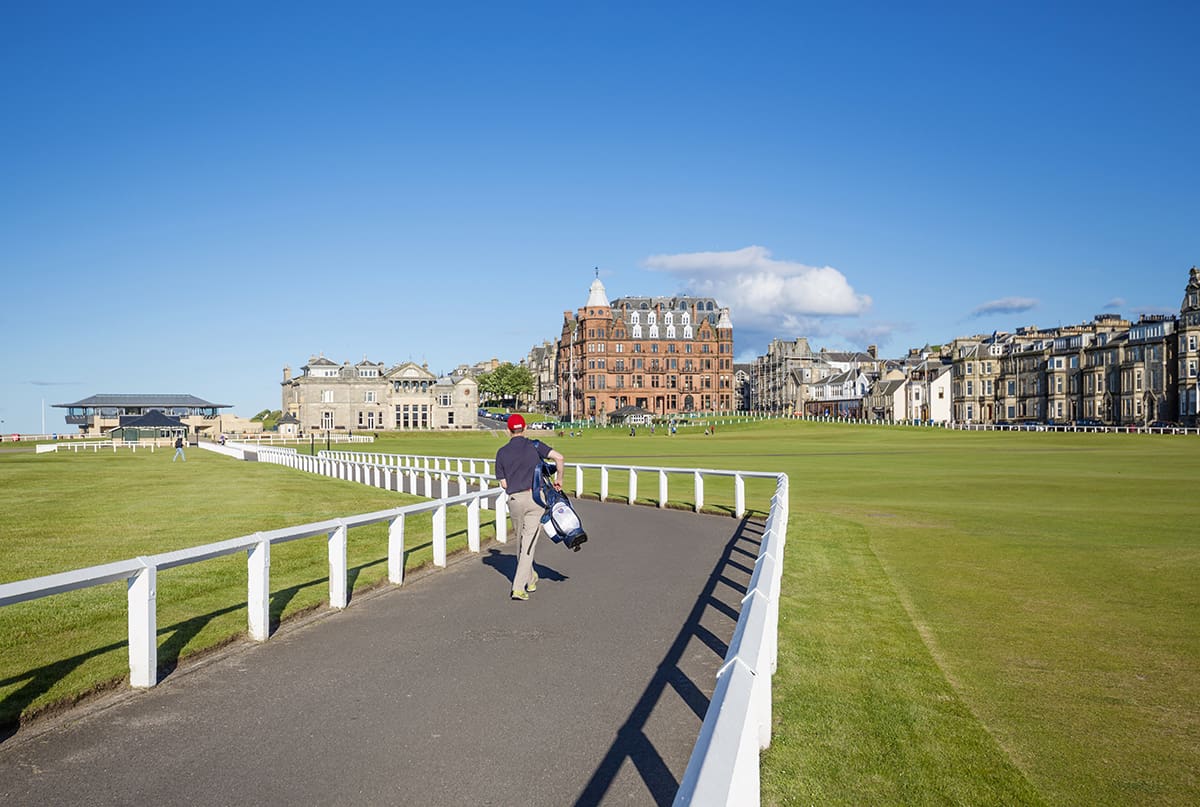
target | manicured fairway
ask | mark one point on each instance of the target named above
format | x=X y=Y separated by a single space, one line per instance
x=973 y=618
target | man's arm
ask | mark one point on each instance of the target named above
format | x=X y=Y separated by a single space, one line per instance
x=558 y=465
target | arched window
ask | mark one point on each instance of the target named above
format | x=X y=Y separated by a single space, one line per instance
x=651 y=318
x=668 y=318
x=654 y=332
x=670 y=331
x=637 y=331
x=686 y=319
x=687 y=331
x=635 y=318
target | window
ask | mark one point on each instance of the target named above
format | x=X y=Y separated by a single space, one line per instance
x=687 y=330
x=326 y=420
x=369 y=396
x=326 y=396
x=970 y=369
x=670 y=331
x=637 y=331
x=653 y=331
x=970 y=388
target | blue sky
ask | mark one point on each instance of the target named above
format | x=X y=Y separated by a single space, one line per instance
x=194 y=195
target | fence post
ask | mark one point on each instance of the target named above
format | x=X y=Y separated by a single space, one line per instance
x=444 y=483
x=578 y=481
x=739 y=495
x=141 y=594
x=473 y=524
x=439 y=536
x=258 y=584
x=337 y=567
x=699 y=490
x=632 y=486
x=662 y=488
x=603 y=483
x=396 y=550
x=502 y=518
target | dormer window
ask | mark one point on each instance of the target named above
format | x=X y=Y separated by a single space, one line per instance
x=668 y=318
x=637 y=331
x=653 y=331
x=670 y=331
x=686 y=318
x=651 y=318
x=687 y=331
x=635 y=318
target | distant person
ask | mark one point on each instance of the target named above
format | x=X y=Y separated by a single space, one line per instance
x=222 y=439
x=516 y=462
x=179 y=449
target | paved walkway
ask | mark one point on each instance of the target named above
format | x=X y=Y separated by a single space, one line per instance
x=442 y=692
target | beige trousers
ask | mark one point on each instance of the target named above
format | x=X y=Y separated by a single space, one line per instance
x=526 y=521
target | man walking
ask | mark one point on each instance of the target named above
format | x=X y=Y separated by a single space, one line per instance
x=516 y=462
x=179 y=449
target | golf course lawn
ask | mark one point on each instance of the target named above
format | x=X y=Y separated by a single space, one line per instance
x=972 y=618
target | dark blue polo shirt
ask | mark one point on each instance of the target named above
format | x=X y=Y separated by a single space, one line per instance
x=517 y=460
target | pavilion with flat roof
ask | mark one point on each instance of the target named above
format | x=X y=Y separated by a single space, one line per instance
x=100 y=413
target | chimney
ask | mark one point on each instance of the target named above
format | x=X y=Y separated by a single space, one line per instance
x=873 y=350
x=287 y=374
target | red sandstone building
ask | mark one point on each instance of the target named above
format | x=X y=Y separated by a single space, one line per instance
x=668 y=355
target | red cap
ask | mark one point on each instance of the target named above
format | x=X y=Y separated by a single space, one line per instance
x=515 y=422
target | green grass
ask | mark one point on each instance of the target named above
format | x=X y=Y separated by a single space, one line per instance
x=968 y=618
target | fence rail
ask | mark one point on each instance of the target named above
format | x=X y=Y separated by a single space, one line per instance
x=140 y=573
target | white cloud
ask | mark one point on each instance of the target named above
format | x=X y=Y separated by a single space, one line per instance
x=1005 y=305
x=763 y=292
x=1115 y=304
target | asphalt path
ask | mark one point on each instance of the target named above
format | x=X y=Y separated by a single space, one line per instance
x=440 y=692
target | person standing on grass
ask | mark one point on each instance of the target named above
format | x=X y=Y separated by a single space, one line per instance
x=179 y=449
x=516 y=462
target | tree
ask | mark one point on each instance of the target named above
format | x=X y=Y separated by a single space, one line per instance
x=505 y=384
x=488 y=384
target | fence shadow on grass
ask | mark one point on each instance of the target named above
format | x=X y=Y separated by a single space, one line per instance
x=726 y=584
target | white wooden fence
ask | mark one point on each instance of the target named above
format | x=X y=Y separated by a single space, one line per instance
x=724 y=766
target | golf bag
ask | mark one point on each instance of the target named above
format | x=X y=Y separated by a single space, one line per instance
x=560 y=521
